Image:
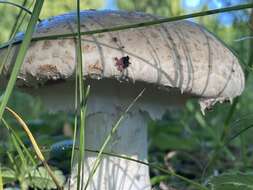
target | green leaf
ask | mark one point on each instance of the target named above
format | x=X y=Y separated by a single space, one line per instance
x=232 y=181
x=42 y=180
x=157 y=179
x=8 y=175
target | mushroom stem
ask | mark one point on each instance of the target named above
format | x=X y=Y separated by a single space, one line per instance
x=106 y=103
x=130 y=140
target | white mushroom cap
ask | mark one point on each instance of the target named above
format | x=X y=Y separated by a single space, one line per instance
x=181 y=55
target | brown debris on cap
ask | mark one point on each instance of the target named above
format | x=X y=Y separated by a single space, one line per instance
x=179 y=55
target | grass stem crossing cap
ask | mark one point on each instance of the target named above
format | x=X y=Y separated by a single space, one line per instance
x=181 y=55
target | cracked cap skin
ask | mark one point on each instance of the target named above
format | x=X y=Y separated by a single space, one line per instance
x=176 y=55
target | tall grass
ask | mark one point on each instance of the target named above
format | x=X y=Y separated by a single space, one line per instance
x=35 y=146
x=224 y=138
x=82 y=102
x=16 y=27
x=21 y=55
x=21 y=7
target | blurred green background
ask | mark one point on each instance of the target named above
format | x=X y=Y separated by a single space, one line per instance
x=184 y=140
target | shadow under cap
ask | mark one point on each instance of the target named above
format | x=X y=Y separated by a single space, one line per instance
x=108 y=93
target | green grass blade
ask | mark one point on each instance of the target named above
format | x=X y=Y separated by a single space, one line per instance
x=16 y=144
x=19 y=150
x=151 y=165
x=24 y=162
x=75 y=126
x=24 y=148
x=22 y=7
x=155 y=166
x=15 y=25
x=232 y=110
x=225 y=130
x=144 y=24
x=108 y=138
x=147 y=23
x=1 y=179
x=15 y=29
x=13 y=163
x=226 y=126
x=82 y=102
x=238 y=134
x=24 y=154
x=13 y=32
x=35 y=146
x=21 y=55
x=82 y=142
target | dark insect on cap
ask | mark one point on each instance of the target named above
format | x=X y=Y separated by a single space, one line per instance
x=125 y=61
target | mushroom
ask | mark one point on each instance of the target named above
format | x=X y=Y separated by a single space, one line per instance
x=173 y=61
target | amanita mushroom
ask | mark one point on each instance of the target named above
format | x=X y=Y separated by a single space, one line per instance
x=173 y=61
